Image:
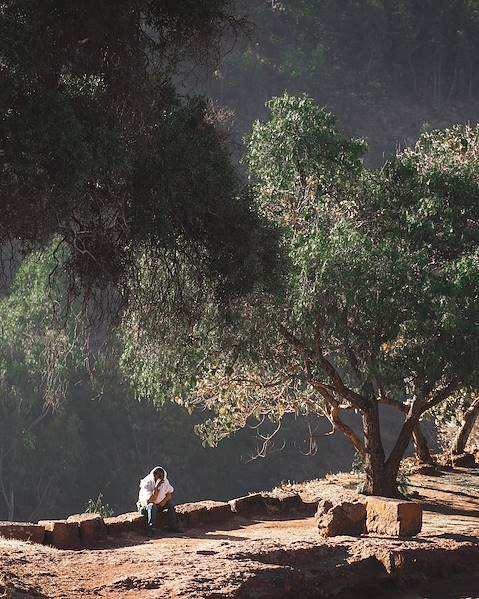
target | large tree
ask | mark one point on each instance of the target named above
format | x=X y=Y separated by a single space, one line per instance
x=99 y=152
x=381 y=286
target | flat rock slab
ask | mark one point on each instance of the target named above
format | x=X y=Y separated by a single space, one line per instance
x=130 y=523
x=393 y=517
x=22 y=531
x=287 y=503
x=249 y=505
x=204 y=514
x=91 y=527
x=61 y=534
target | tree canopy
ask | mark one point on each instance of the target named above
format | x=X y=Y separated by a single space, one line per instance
x=381 y=286
x=100 y=153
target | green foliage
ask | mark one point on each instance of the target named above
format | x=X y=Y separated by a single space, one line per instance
x=99 y=152
x=299 y=160
x=357 y=466
x=99 y=507
x=39 y=346
x=41 y=350
x=381 y=284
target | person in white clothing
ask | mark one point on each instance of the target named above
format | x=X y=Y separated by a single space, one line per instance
x=155 y=494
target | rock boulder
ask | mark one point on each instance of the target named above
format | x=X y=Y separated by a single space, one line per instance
x=91 y=527
x=463 y=460
x=393 y=517
x=283 y=503
x=249 y=505
x=210 y=514
x=130 y=523
x=61 y=534
x=345 y=518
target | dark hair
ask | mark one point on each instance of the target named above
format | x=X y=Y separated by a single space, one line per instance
x=158 y=471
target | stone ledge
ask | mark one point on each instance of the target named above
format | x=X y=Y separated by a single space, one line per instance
x=284 y=503
x=22 y=531
x=91 y=527
x=204 y=514
x=344 y=518
x=463 y=460
x=248 y=505
x=130 y=523
x=61 y=534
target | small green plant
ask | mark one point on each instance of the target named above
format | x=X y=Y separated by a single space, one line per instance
x=403 y=483
x=357 y=466
x=99 y=507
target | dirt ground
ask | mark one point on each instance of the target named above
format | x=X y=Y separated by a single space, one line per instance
x=271 y=558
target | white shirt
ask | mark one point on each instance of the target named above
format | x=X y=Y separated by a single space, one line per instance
x=147 y=488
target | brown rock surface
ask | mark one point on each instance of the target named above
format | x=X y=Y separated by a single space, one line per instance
x=323 y=507
x=345 y=518
x=283 y=503
x=61 y=534
x=92 y=528
x=393 y=517
x=249 y=505
x=130 y=523
x=23 y=531
x=204 y=514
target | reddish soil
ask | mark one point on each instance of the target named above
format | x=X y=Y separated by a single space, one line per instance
x=270 y=558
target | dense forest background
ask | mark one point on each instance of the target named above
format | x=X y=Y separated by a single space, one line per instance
x=387 y=68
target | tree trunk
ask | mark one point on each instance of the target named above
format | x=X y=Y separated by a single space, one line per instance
x=470 y=418
x=380 y=480
x=394 y=460
x=420 y=443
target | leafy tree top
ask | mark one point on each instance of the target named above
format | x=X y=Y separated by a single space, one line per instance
x=100 y=153
x=380 y=298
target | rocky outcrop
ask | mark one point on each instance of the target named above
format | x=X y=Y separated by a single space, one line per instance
x=462 y=460
x=91 y=527
x=393 y=517
x=344 y=518
x=61 y=534
x=258 y=505
x=88 y=530
x=22 y=531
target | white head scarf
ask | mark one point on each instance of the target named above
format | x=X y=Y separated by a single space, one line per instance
x=147 y=486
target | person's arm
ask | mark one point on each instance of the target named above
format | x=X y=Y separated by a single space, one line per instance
x=165 y=500
x=156 y=492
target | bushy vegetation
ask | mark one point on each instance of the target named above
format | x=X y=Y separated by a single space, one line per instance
x=384 y=67
x=380 y=288
x=141 y=269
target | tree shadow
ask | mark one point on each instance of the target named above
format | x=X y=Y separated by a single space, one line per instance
x=457 y=537
x=448 y=510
